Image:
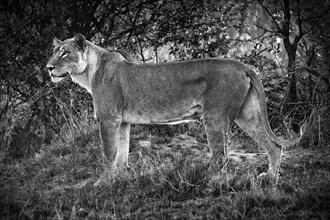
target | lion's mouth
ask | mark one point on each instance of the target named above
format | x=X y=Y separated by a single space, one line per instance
x=61 y=76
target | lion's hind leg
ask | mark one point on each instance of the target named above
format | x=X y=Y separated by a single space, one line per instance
x=250 y=120
x=216 y=131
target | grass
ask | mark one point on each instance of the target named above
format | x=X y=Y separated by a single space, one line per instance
x=167 y=179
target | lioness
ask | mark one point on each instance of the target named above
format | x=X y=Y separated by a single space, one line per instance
x=124 y=91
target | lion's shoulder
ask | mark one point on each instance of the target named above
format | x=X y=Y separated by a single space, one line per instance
x=125 y=55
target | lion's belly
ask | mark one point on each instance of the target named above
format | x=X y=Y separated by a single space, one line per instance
x=167 y=115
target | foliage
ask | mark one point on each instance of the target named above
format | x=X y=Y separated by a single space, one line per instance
x=291 y=20
x=28 y=100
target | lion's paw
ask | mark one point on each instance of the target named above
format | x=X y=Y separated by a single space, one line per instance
x=266 y=179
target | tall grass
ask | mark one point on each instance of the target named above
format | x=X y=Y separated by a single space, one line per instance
x=318 y=129
x=167 y=178
x=75 y=123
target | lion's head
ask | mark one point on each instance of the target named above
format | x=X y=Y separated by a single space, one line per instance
x=69 y=58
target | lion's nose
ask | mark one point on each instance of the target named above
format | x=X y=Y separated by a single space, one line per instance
x=50 y=68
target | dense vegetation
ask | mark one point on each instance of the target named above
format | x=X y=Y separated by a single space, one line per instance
x=49 y=146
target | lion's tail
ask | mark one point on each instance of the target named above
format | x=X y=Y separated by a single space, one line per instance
x=257 y=85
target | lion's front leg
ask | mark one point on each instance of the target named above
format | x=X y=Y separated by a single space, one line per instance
x=123 y=148
x=110 y=139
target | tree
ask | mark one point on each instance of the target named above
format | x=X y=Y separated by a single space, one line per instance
x=292 y=21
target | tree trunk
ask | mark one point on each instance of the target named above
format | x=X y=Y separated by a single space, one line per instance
x=291 y=95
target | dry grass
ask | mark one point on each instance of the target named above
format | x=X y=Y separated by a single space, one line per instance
x=167 y=179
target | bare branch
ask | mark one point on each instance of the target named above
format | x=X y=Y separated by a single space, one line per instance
x=309 y=30
x=287 y=18
x=316 y=17
x=301 y=34
x=257 y=54
x=267 y=30
x=272 y=17
x=314 y=72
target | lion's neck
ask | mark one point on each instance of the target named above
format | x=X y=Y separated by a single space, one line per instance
x=94 y=56
x=93 y=61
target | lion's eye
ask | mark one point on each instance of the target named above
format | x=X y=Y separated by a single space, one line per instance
x=64 y=54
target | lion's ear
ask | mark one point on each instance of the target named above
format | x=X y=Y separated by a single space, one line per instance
x=80 y=41
x=56 y=42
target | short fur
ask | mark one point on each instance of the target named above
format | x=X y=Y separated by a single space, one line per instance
x=125 y=91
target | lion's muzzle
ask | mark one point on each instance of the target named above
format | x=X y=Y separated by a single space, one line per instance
x=56 y=77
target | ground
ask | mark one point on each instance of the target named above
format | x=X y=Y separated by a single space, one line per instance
x=167 y=179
